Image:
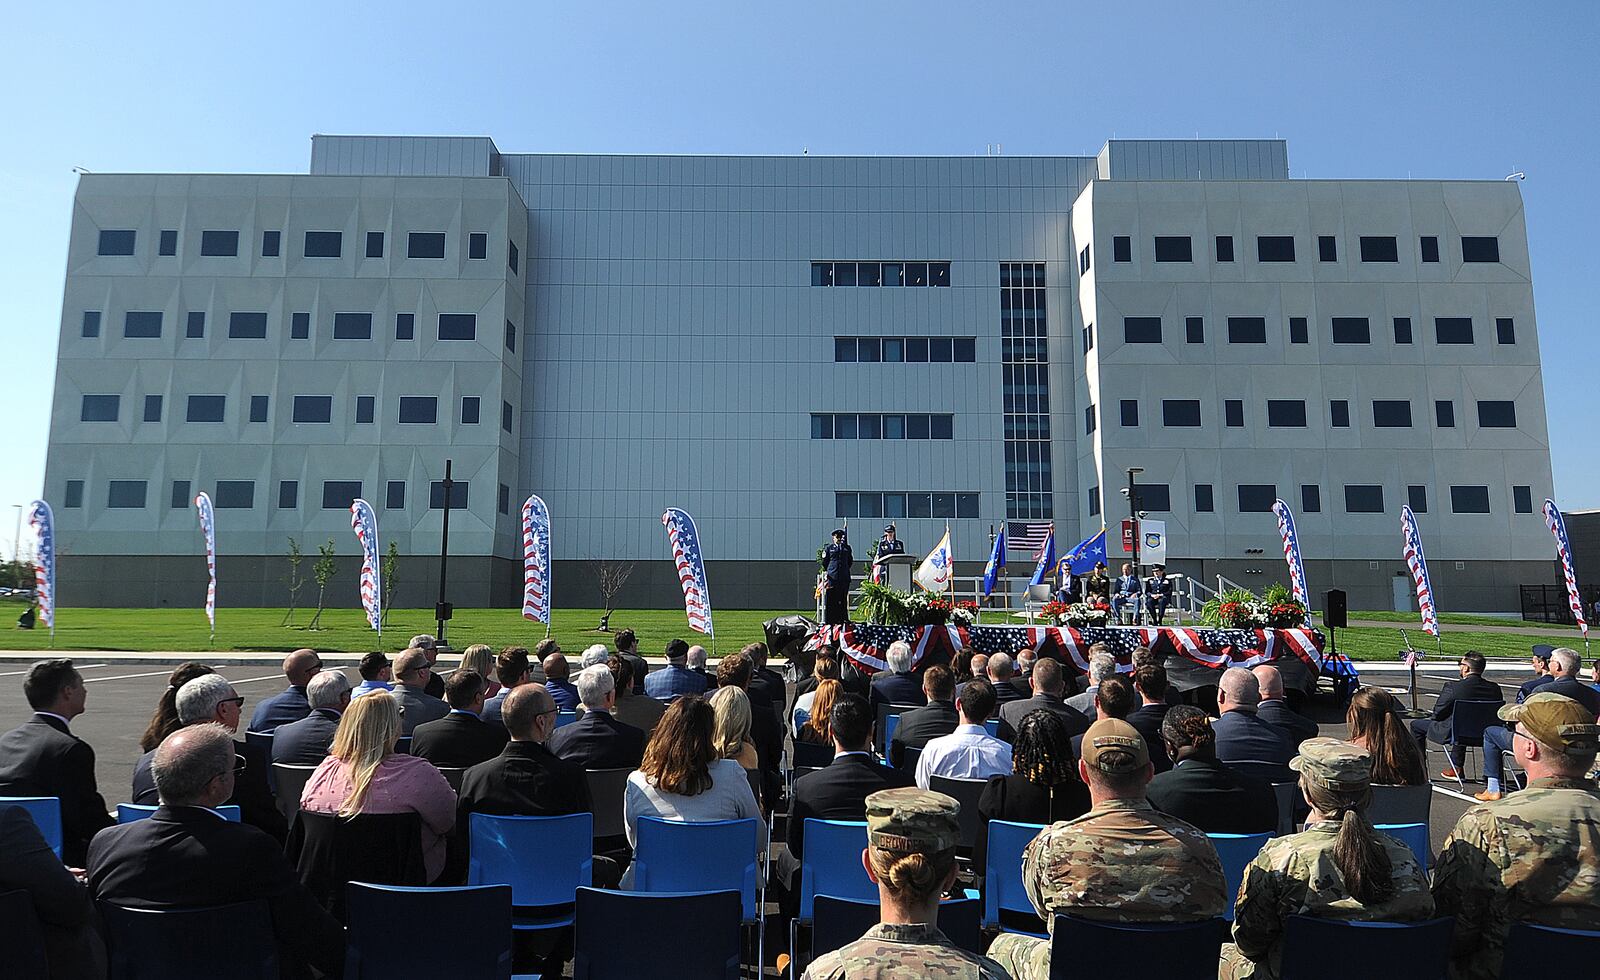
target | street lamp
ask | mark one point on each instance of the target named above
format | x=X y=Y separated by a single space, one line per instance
x=1132 y=492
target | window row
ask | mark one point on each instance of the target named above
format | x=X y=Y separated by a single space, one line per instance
x=148 y=325
x=1447 y=330
x=241 y=495
x=1359 y=498
x=1281 y=248
x=880 y=273
x=307 y=409
x=872 y=425
x=872 y=503
x=317 y=244
x=1290 y=413
x=914 y=350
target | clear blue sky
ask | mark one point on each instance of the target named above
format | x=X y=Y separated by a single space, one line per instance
x=1469 y=90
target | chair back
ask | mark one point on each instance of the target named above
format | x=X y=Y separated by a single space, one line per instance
x=1271 y=772
x=607 y=787
x=564 y=718
x=1291 y=806
x=1039 y=593
x=130 y=812
x=261 y=740
x=1236 y=851
x=1185 y=950
x=1424 y=947
x=46 y=814
x=909 y=759
x=1468 y=720
x=478 y=913
x=1535 y=952
x=452 y=775
x=544 y=859
x=814 y=755
x=832 y=864
x=1002 y=873
x=330 y=851
x=22 y=951
x=290 y=782
x=1400 y=804
x=714 y=855
x=670 y=936
x=1414 y=836
x=159 y=944
x=841 y=921
x=890 y=723
x=965 y=792
x=884 y=729
x=402 y=745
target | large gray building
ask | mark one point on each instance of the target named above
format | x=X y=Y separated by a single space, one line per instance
x=779 y=343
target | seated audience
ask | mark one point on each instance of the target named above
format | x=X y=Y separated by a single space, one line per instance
x=1339 y=867
x=1049 y=690
x=1273 y=708
x=1001 y=672
x=1374 y=722
x=461 y=738
x=165 y=719
x=826 y=668
x=732 y=738
x=696 y=661
x=917 y=727
x=1113 y=698
x=73 y=948
x=305 y=742
x=289 y=704
x=418 y=707
x=766 y=730
x=41 y=757
x=839 y=790
x=815 y=727
x=897 y=685
x=1201 y=791
x=1043 y=785
x=627 y=644
x=1026 y=658
x=1241 y=734
x=480 y=657
x=429 y=645
x=556 y=672
x=1438 y=727
x=1101 y=666
x=364 y=774
x=597 y=740
x=376 y=675
x=969 y=752
x=633 y=707
x=675 y=679
x=526 y=778
x=187 y=856
x=766 y=688
x=512 y=667
x=977 y=667
x=1540 y=663
x=594 y=653
x=1150 y=691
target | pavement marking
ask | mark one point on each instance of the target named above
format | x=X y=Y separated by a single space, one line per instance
x=264 y=677
x=1457 y=795
x=125 y=677
x=15 y=673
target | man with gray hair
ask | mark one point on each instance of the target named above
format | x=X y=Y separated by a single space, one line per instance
x=186 y=855
x=1564 y=666
x=412 y=673
x=1242 y=735
x=896 y=685
x=429 y=644
x=1001 y=670
x=595 y=653
x=1101 y=665
x=697 y=664
x=305 y=742
x=597 y=740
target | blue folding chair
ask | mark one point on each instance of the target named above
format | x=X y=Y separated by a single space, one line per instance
x=482 y=912
x=992 y=726
x=564 y=718
x=841 y=921
x=1535 y=952
x=1236 y=851
x=832 y=866
x=669 y=935
x=1468 y=719
x=1414 y=836
x=811 y=755
x=159 y=944
x=890 y=723
x=545 y=860
x=1002 y=874
x=1423 y=947
x=131 y=812
x=1183 y=950
x=46 y=814
x=677 y=856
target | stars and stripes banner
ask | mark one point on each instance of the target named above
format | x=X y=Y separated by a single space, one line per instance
x=365 y=524
x=1558 y=527
x=43 y=522
x=936 y=569
x=997 y=563
x=1027 y=536
x=536 y=560
x=208 y=527
x=1291 y=554
x=1418 y=563
x=687 y=556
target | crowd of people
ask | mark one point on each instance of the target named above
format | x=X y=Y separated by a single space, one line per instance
x=1126 y=779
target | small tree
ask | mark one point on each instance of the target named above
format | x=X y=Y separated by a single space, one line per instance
x=323 y=571
x=391 y=561
x=294 y=581
x=611 y=577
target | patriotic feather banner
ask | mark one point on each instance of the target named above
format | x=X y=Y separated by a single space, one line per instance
x=1558 y=527
x=365 y=524
x=1418 y=563
x=43 y=522
x=536 y=561
x=691 y=565
x=1291 y=555
x=208 y=527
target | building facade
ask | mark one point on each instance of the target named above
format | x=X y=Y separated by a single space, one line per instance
x=779 y=344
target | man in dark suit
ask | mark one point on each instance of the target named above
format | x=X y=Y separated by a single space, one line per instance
x=512 y=668
x=1023 y=679
x=429 y=645
x=526 y=778
x=1001 y=671
x=289 y=704
x=639 y=710
x=41 y=757
x=1274 y=707
x=461 y=738
x=1150 y=686
x=1157 y=593
x=935 y=719
x=897 y=685
x=1241 y=735
x=305 y=742
x=767 y=688
x=73 y=948
x=627 y=643
x=765 y=729
x=1202 y=791
x=1471 y=687
x=697 y=665
x=1541 y=671
x=188 y=856
x=597 y=740
x=1049 y=686
x=417 y=706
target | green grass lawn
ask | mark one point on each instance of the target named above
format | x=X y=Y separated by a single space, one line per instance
x=1459 y=619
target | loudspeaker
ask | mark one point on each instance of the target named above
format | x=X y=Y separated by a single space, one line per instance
x=1333 y=608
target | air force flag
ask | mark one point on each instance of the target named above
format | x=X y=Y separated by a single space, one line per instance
x=1153 y=542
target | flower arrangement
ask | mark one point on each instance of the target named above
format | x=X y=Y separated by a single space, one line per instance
x=931 y=609
x=1077 y=613
x=1238 y=609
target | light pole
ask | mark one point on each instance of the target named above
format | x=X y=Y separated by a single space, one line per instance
x=16 y=540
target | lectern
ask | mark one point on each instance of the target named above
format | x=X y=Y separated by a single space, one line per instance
x=897 y=570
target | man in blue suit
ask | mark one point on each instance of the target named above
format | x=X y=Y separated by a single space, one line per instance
x=306 y=742
x=675 y=678
x=1124 y=591
x=289 y=704
x=897 y=685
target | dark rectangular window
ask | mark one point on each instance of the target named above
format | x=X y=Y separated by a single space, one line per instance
x=374 y=244
x=1402 y=330
x=1339 y=413
x=1085 y=260
x=469 y=410
x=1173 y=248
x=1155 y=496
x=941 y=426
x=916 y=273
x=1430 y=248
x=844 y=350
x=1444 y=414
x=100 y=408
x=1233 y=413
x=152 y=408
x=74 y=495
x=258 y=408
x=425 y=245
x=869 y=425
x=1379 y=248
x=1203 y=499
x=1452 y=329
x=1469 y=500
x=511 y=337
x=1180 y=413
x=477 y=245
x=916 y=426
x=512 y=259
x=1286 y=414
x=117 y=242
x=458 y=326
x=395 y=495
x=195 y=327
x=247 y=326
x=941 y=350
x=1363 y=499
x=869 y=274
x=1088 y=420
x=1275 y=248
x=235 y=495
x=1480 y=248
x=1351 y=330
x=288 y=494
x=141 y=324
x=507 y=416
x=365 y=406
x=822 y=273
x=1299 y=330
x=300 y=326
x=1497 y=415
x=894 y=273
x=844 y=427
x=125 y=494
x=180 y=495
x=1121 y=248
x=966 y=348
x=844 y=505
x=269 y=243
x=944 y=505
x=894 y=426
x=1522 y=499
x=821 y=425
x=340 y=494
x=916 y=350
x=1130 y=412
x=1391 y=414
x=1224 y=248
x=206 y=408
x=844 y=273
x=91 y=323
x=1310 y=498
x=1141 y=330
x=1417 y=497
x=458 y=495
x=313 y=408
x=1257 y=498
x=169 y=242
x=503 y=503
x=324 y=244
x=352 y=326
x=219 y=243
x=1247 y=330
x=1327 y=249
x=966 y=504
x=419 y=409
x=405 y=326
x=1194 y=329
x=1505 y=330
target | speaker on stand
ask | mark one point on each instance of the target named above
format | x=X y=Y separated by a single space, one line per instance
x=1335 y=615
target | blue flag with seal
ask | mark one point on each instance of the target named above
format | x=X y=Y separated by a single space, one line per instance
x=997 y=561
x=1045 y=572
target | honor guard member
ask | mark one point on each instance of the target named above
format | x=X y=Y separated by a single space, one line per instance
x=837 y=561
x=911 y=854
x=889 y=544
x=1157 y=593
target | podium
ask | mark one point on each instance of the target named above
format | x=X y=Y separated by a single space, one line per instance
x=897 y=570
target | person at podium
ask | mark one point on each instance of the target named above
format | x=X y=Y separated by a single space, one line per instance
x=889 y=544
x=1157 y=593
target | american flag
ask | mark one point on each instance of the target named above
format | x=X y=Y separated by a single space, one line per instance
x=43 y=522
x=208 y=527
x=1027 y=536
x=1418 y=564
x=1291 y=553
x=365 y=524
x=536 y=560
x=691 y=568
x=1558 y=527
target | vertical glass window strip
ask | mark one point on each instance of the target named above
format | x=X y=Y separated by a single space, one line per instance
x=1025 y=391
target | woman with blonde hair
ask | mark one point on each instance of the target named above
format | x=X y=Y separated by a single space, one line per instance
x=364 y=774
x=818 y=726
x=480 y=657
x=732 y=738
x=1375 y=725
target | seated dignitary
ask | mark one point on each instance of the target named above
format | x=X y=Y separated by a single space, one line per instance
x=1043 y=785
x=633 y=707
x=556 y=672
x=289 y=704
x=1118 y=862
x=164 y=720
x=897 y=685
x=675 y=679
x=187 y=856
x=41 y=757
x=206 y=699
x=1001 y=671
x=1564 y=666
x=1534 y=856
x=461 y=738
x=911 y=855
x=1049 y=688
x=73 y=949
x=1101 y=666
x=1273 y=708
x=1437 y=728
x=1339 y=867
x=305 y=742
x=377 y=674
x=417 y=707
x=597 y=740
x=511 y=668
x=429 y=645
x=1241 y=734
x=917 y=727
x=1374 y=722
x=1202 y=791
x=364 y=774
x=969 y=752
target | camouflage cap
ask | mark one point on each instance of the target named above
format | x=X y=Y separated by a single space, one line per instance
x=913 y=820
x=1557 y=721
x=1113 y=746
x=1333 y=763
